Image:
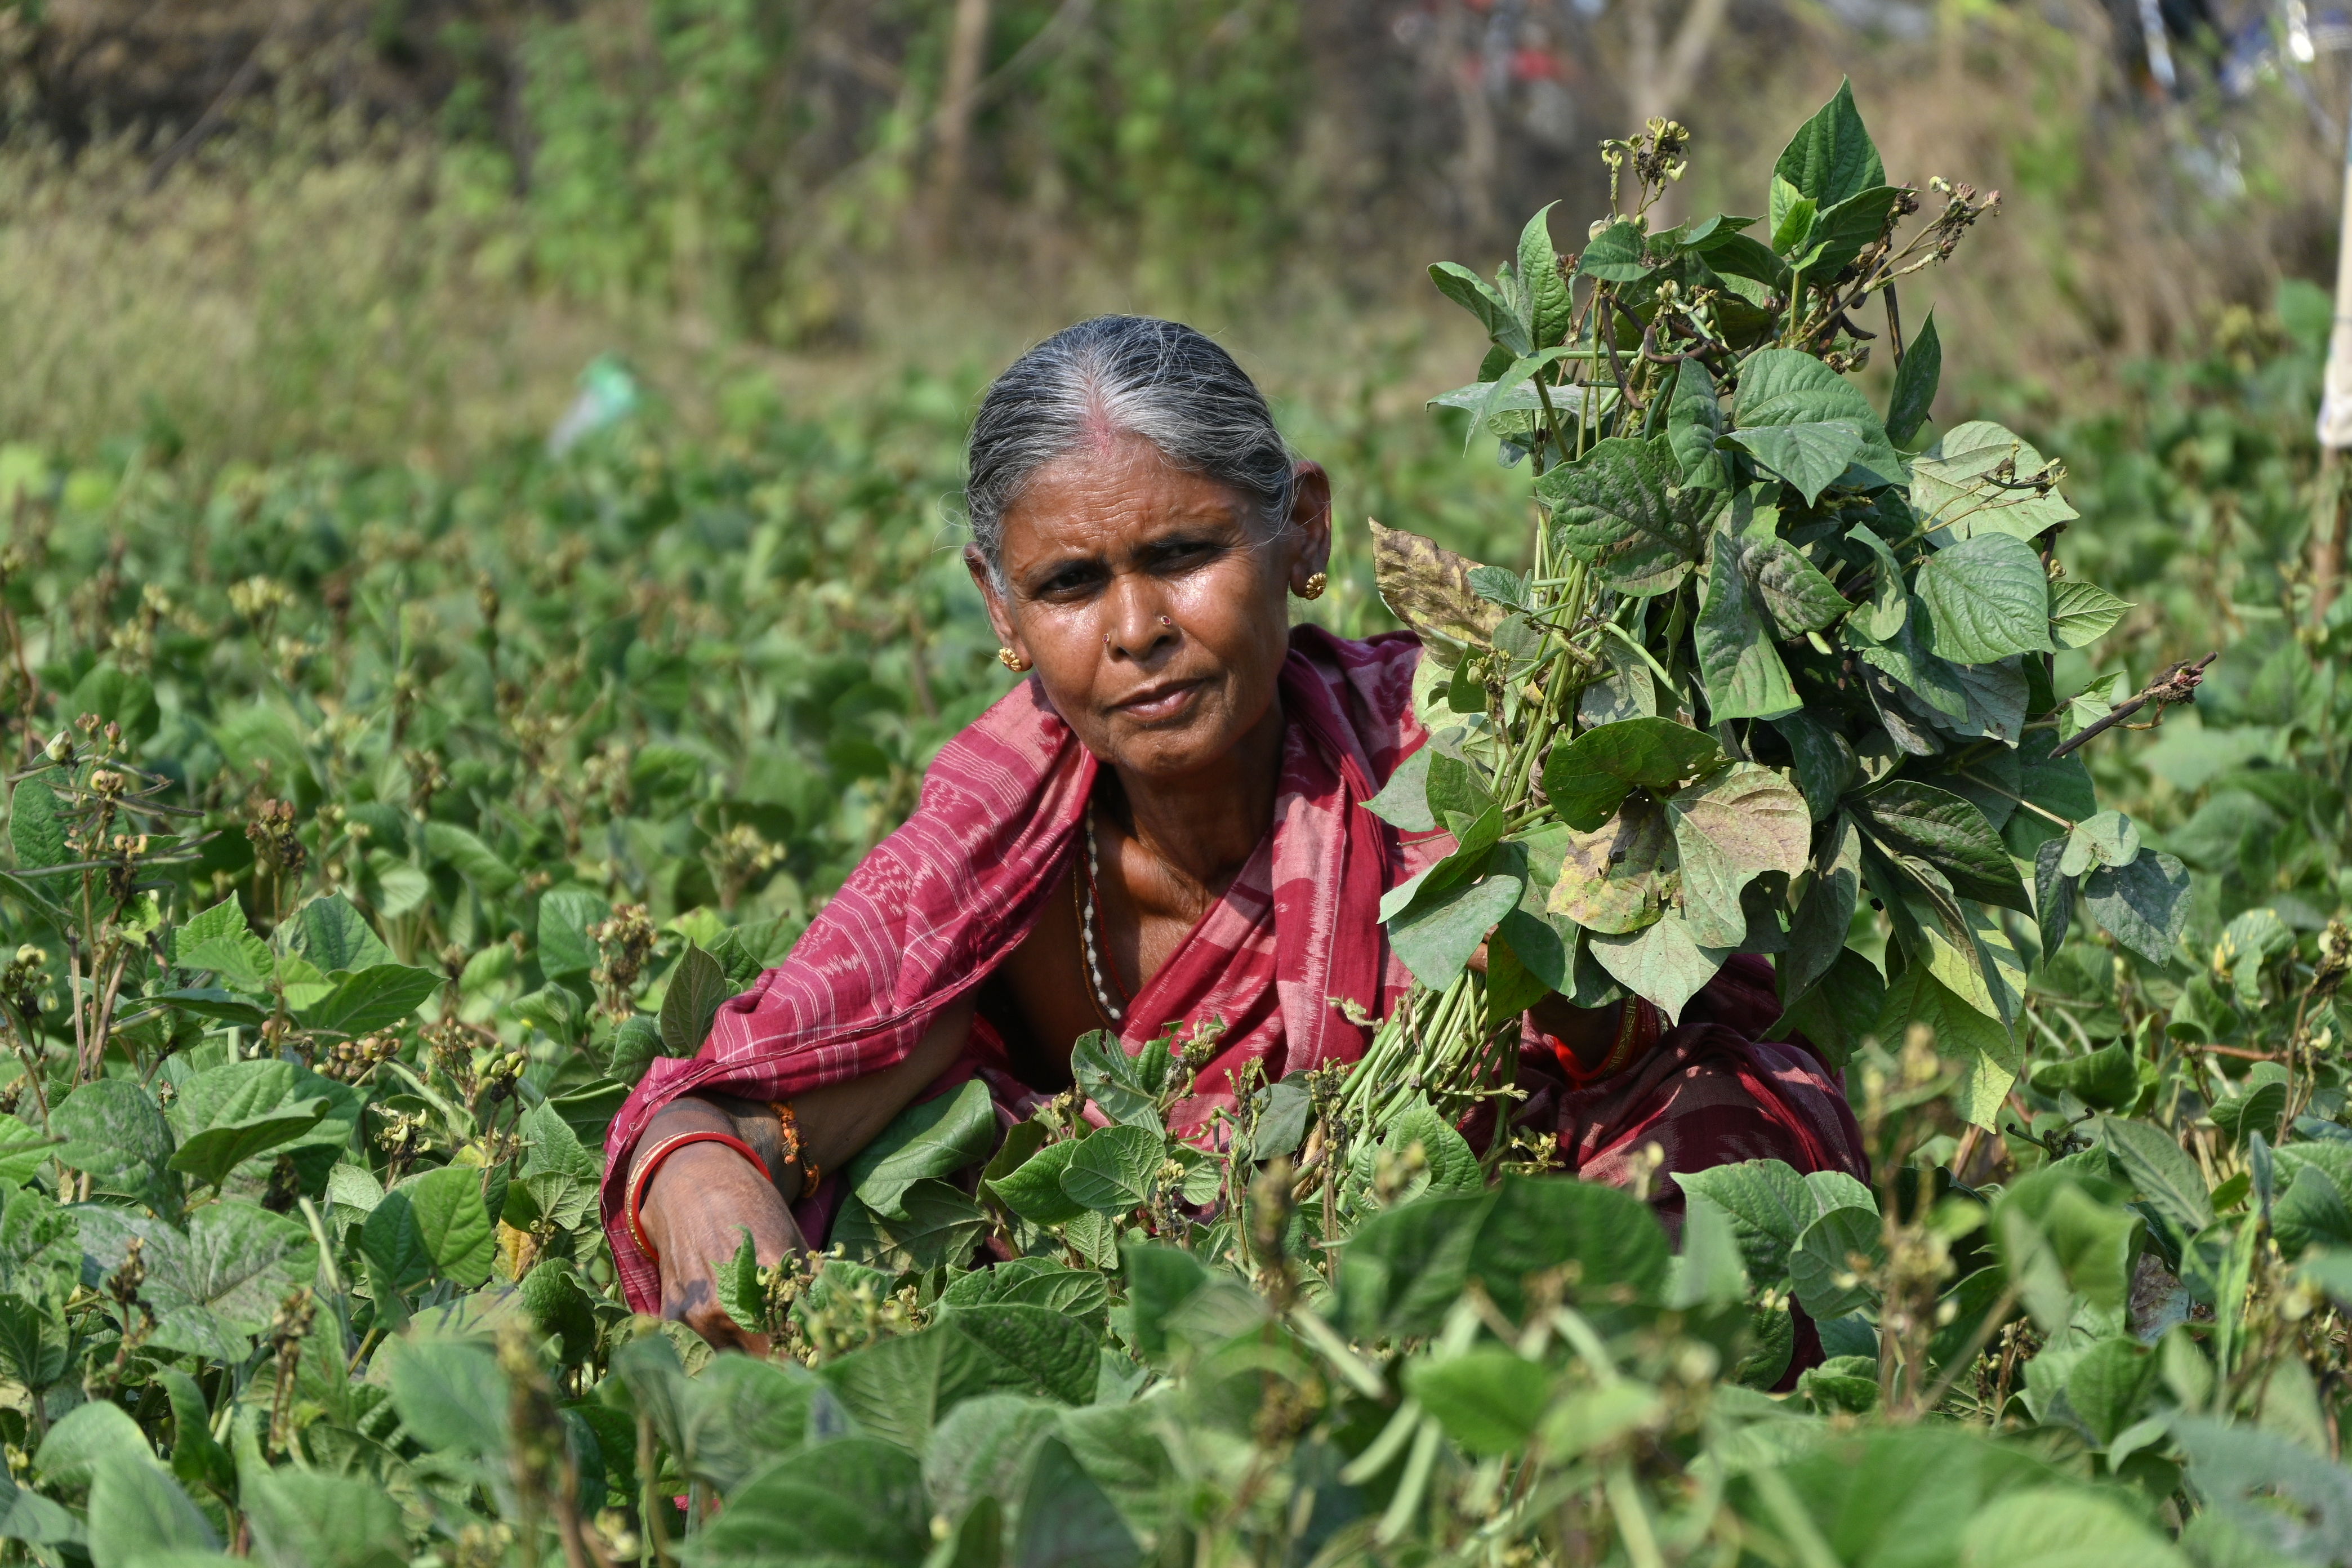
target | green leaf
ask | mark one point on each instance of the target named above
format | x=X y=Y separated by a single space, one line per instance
x=1890 y=598
x=450 y=1395
x=1694 y=424
x=2105 y=1079
x=1744 y=674
x=219 y=940
x=935 y=1137
x=474 y=860
x=1620 y=878
x=452 y=1222
x=2311 y=1213
x=1832 y=157
x=1033 y=1349
x=1591 y=1417
x=312 y=1519
x=1843 y=230
x=32 y=1341
x=1603 y=1237
x=36 y=830
x=1478 y=297
x=1548 y=291
x=2064 y=1527
x=736 y=1283
x=232 y=1268
x=564 y=919
x=1946 y=832
x=111 y=1126
x=1067 y=1518
x=2106 y=839
x=942 y=1226
x=2162 y=1172
x=1662 y=963
x=2144 y=905
x=97 y=1433
x=697 y=986
x=1114 y=1080
x=1405 y=1267
x=210 y=1155
x=1034 y=1190
x=374 y=998
x=196 y=1458
x=1731 y=828
x=1452 y=1166
x=1791 y=589
x=983 y=1449
x=1791 y=212
x=1915 y=383
x=1770 y=1206
x=1817 y=935
x=1503 y=392
x=1841 y=1010
x=1114 y=1169
x=2082 y=612
x=1587 y=779
x=1807 y=424
x=2286 y=1502
x=1487 y=1400
x=863 y=1505
x=1987 y=598
x=1957 y=489
x=2057 y=1242
x=1615 y=254
x=1438 y=933
x=136 y=1511
x=1625 y=509
x=1989 y=1055
x=335 y=936
x=1833 y=1259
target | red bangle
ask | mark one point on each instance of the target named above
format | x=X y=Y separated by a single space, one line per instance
x=644 y=1175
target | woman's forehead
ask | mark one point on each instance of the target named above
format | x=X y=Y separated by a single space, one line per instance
x=1093 y=496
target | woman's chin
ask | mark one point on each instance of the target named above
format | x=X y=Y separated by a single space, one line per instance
x=1188 y=744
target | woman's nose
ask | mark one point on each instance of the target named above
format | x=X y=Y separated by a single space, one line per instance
x=1138 y=624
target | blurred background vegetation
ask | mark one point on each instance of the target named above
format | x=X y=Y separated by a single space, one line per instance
x=399 y=228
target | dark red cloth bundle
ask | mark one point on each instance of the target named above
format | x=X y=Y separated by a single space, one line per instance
x=1295 y=939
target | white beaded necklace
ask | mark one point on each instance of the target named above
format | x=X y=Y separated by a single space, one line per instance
x=1113 y=1013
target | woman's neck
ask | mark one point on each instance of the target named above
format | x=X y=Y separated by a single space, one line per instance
x=1203 y=827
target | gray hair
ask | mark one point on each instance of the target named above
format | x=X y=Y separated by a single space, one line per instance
x=1130 y=374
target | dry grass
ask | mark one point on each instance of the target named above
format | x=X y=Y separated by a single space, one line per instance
x=305 y=284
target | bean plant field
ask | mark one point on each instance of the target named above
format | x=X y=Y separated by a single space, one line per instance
x=370 y=832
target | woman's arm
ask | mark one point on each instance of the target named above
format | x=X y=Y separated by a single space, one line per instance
x=697 y=1206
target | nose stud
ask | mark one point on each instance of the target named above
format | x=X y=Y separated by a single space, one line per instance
x=1165 y=621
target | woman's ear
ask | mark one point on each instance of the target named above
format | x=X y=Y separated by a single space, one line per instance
x=999 y=617
x=1310 y=522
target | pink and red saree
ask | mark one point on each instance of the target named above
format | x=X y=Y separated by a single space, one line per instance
x=1279 y=957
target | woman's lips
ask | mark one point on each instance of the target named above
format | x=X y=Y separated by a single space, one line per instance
x=1159 y=702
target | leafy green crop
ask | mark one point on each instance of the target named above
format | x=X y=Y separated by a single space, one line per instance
x=368 y=834
x=1765 y=664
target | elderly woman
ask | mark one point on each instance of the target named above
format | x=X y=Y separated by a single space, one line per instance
x=1164 y=824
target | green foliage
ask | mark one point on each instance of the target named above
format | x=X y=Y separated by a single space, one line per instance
x=461 y=804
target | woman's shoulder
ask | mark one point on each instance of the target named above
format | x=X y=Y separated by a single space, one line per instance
x=1369 y=682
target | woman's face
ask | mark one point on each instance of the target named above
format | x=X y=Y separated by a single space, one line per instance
x=1151 y=603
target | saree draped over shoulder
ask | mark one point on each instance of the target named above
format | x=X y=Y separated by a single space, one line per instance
x=1284 y=957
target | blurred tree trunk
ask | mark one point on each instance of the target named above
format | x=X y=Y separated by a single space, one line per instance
x=1660 y=77
x=967 y=52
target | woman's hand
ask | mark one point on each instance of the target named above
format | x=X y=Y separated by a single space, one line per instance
x=695 y=1210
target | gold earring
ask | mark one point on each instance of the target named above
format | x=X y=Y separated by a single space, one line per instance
x=1315 y=586
x=1011 y=661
